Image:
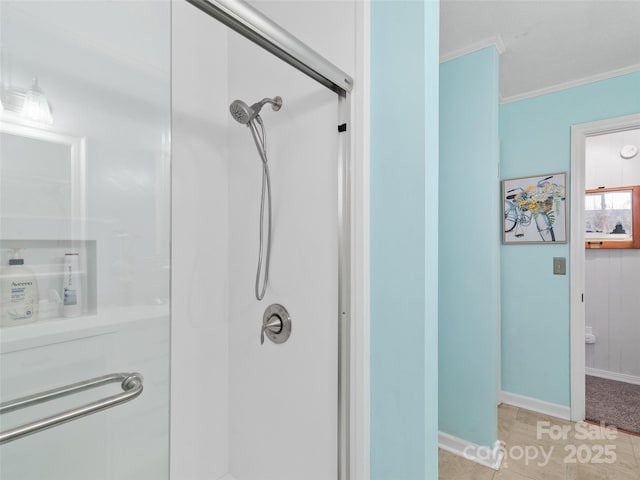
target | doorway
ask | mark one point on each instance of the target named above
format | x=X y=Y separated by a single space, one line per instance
x=601 y=362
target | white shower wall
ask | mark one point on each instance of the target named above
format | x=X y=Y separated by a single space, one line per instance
x=240 y=409
x=284 y=397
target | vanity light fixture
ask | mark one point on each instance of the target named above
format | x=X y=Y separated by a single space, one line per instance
x=629 y=151
x=36 y=106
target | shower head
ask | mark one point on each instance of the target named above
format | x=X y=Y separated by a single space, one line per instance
x=244 y=113
x=241 y=112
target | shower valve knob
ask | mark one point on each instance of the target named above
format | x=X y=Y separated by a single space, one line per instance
x=276 y=324
x=273 y=325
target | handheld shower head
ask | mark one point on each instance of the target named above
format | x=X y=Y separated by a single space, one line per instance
x=244 y=113
x=241 y=112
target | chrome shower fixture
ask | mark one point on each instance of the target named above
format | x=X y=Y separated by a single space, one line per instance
x=244 y=113
x=250 y=116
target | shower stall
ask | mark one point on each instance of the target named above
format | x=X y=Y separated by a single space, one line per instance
x=176 y=253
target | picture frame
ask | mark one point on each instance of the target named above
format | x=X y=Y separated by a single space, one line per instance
x=534 y=209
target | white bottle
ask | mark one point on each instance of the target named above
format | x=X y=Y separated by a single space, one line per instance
x=71 y=288
x=19 y=294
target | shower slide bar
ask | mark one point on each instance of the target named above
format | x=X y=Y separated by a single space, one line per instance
x=131 y=384
x=249 y=22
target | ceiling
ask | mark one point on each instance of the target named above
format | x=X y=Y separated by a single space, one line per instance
x=548 y=43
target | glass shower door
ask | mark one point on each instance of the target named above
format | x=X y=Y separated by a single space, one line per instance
x=84 y=239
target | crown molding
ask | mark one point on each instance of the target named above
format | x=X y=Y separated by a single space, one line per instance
x=573 y=83
x=495 y=41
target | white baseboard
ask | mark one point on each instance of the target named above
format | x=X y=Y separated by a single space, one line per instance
x=487 y=456
x=620 y=377
x=540 y=406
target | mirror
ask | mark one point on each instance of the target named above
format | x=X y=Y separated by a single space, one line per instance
x=42 y=184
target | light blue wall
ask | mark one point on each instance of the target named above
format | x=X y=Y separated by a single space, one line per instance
x=536 y=139
x=404 y=180
x=469 y=291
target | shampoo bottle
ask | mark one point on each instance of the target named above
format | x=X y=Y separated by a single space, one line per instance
x=72 y=298
x=19 y=295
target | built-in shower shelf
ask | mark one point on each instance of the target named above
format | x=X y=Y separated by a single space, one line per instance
x=57 y=330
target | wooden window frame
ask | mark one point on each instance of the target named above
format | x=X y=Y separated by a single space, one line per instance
x=635 y=206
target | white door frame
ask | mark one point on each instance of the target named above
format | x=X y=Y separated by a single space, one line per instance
x=579 y=135
x=360 y=336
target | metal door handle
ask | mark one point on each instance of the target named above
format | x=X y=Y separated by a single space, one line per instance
x=131 y=384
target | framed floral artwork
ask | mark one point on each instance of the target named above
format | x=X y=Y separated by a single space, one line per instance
x=535 y=209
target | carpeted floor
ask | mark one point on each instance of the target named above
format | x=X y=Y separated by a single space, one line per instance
x=614 y=403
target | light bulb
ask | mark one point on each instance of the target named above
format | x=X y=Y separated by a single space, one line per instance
x=36 y=106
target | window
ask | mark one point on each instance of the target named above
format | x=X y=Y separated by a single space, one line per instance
x=612 y=217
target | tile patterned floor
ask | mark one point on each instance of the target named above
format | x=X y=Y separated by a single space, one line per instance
x=518 y=427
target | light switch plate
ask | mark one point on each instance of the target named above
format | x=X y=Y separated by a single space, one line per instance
x=559 y=265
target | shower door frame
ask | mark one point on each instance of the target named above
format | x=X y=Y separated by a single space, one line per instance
x=253 y=25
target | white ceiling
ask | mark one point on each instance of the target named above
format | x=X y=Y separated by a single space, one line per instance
x=605 y=167
x=548 y=43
